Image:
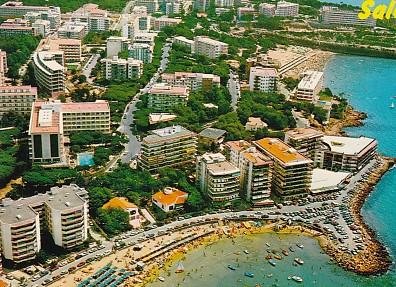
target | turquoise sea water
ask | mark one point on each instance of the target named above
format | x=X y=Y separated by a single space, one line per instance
x=369 y=84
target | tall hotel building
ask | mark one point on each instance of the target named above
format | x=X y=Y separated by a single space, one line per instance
x=292 y=172
x=335 y=16
x=50 y=121
x=209 y=47
x=97 y=19
x=49 y=71
x=306 y=141
x=17 y=99
x=194 y=81
x=168 y=147
x=217 y=177
x=162 y=97
x=262 y=79
x=309 y=87
x=63 y=211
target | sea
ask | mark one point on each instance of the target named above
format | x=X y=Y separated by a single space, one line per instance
x=370 y=86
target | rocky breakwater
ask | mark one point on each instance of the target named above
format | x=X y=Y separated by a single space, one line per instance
x=352 y=118
x=374 y=259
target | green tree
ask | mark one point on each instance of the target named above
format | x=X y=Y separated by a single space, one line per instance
x=97 y=197
x=113 y=220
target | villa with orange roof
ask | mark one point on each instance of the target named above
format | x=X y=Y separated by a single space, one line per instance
x=170 y=199
x=132 y=209
x=292 y=172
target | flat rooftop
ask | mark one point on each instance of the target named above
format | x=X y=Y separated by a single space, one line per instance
x=97 y=106
x=349 y=145
x=18 y=90
x=282 y=152
x=159 y=89
x=51 y=127
x=212 y=133
x=256 y=157
x=303 y=133
x=325 y=180
x=210 y=41
x=238 y=145
x=222 y=168
x=310 y=80
x=168 y=133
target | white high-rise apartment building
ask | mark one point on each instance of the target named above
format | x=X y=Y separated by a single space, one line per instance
x=335 y=16
x=262 y=79
x=209 y=47
x=64 y=210
x=309 y=87
x=97 y=19
x=17 y=99
x=194 y=81
x=286 y=9
x=121 y=69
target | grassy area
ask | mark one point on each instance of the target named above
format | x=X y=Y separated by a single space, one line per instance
x=67 y=6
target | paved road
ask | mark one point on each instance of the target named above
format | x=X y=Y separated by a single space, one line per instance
x=87 y=69
x=132 y=148
x=124 y=16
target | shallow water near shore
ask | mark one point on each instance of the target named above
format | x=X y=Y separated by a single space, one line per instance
x=369 y=84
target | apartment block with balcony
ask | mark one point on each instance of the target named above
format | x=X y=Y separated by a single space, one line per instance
x=17 y=99
x=183 y=41
x=161 y=22
x=292 y=172
x=194 y=81
x=167 y=147
x=286 y=9
x=151 y=5
x=63 y=211
x=262 y=79
x=49 y=71
x=256 y=175
x=306 y=141
x=210 y=48
x=97 y=19
x=346 y=153
x=163 y=97
x=217 y=177
x=309 y=87
x=335 y=16
x=142 y=52
x=17 y=9
x=3 y=67
x=121 y=69
x=73 y=30
x=71 y=48
x=53 y=16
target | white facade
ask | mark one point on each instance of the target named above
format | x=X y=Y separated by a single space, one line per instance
x=118 y=69
x=309 y=87
x=3 y=67
x=209 y=47
x=335 y=16
x=115 y=45
x=17 y=99
x=42 y=27
x=262 y=79
x=286 y=9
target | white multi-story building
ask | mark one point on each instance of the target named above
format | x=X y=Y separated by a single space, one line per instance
x=71 y=48
x=73 y=30
x=224 y=3
x=115 y=45
x=286 y=9
x=97 y=19
x=183 y=41
x=173 y=7
x=217 y=177
x=194 y=81
x=309 y=87
x=17 y=99
x=161 y=22
x=121 y=69
x=144 y=38
x=3 y=67
x=267 y=9
x=53 y=16
x=335 y=16
x=245 y=11
x=50 y=121
x=200 y=5
x=167 y=147
x=142 y=52
x=262 y=79
x=42 y=27
x=49 y=71
x=63 y=210
x=209 y=47
x=17 y=9
x=163 y=97
x=151 y=5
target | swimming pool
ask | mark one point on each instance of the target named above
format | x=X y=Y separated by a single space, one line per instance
x=85 y=159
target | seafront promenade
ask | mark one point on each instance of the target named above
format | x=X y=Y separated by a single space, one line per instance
x=339 y=230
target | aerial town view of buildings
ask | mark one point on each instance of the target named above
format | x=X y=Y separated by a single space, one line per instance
x=132 y=132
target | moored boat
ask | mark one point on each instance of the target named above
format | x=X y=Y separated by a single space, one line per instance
x=162 y=279
x=267 y=244
x=272 y=262
x=299 y=261
x=300 y=245
x=231 y=267
x=179 y=268
x=277 y=256
x=297 y=279
x=291 y=249
x=246 y=252
x=285 y=252
x=269 y=256
x=249 y=274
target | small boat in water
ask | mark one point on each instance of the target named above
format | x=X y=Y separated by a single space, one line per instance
x=179 y=268
x=297 y=279
x=231 y=267
x=291 y=249
x=246 y=252
x=269 y=256
x=270 y=275
x=267 y=244
x=300 y=245
x=299 y=261
x=249 y=274
x=162 y=279
x=272 y=262
x=277 y=256
x=285 y=252
x=392 y=105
